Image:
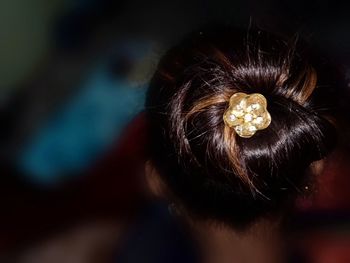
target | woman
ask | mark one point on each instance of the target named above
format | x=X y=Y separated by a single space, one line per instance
x=238 y=126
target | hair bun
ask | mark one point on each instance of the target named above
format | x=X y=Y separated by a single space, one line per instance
x=205 y=163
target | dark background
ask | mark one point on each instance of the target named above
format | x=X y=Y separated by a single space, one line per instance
x=73 y=76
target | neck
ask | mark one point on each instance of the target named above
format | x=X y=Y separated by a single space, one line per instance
x=259 y=243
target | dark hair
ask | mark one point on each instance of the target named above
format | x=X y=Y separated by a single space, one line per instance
x=212 y=171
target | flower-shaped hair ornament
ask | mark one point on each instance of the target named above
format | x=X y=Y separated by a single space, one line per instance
x=247 y=113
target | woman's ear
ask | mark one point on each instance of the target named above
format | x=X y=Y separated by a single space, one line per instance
x=154 y=183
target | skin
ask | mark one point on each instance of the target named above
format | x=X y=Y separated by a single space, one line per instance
x=259 y=243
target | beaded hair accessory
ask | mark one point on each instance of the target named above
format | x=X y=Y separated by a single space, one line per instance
x=247 y=114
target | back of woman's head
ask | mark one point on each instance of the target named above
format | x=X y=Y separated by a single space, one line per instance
x=212 y=171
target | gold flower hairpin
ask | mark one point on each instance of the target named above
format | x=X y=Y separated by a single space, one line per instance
x=247 y=113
